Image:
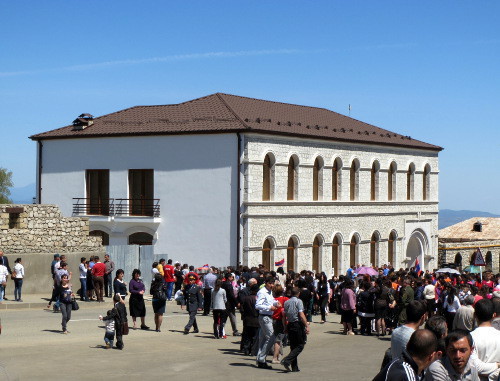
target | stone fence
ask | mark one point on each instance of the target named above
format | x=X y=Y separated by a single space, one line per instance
x=40 y=228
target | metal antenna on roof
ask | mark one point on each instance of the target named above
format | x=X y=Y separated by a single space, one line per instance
x=349 y=110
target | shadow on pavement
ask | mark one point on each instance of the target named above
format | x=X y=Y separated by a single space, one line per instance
x=53 y=331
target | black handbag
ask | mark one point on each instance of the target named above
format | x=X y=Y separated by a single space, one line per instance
x=74 y=305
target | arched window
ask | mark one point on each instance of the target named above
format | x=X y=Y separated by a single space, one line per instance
x=336 y=255
x=268 y=178
x=292 y=178
x=391 y=182
x=374 y=246
x=99 y=233
x=391 y=248
x=426 y=185
x=458 y=260
x=374 y=181
x=410 y=178
x=354 y=180
x=354 y=250
x=318 y=179
x=140 y=238
x=267 y=254
x=316 y=254
x=291 y=254
x=489 y=261
x=336 y=179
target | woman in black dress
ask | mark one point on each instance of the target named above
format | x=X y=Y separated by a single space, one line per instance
x=159 y=292
x=136 y=303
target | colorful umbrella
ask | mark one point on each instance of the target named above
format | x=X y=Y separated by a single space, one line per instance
x=366 y=270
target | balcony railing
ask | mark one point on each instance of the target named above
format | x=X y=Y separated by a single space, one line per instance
x=116 y=207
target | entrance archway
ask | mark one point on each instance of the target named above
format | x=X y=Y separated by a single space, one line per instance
x=418 y=247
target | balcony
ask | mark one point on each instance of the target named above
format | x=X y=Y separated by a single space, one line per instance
x=118 y=207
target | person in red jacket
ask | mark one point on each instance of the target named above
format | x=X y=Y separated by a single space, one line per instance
x=169 y=276
x=98 y=272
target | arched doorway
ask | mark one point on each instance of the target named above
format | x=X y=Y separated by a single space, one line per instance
x=336 y=254
x=417 y=247
x=267 y=254
x=489 y=261
x=316 y=254
x=354 y=249
x=391 y=248
x=458 y=260
x=291 y=254
x=374 y=246
x=140 y=238
x=103 y=235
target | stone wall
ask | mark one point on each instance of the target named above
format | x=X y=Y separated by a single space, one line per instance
x=303 y=219
x=42 y=229
x=465 y=249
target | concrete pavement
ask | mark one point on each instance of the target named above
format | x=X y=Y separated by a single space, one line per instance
x=33 y=348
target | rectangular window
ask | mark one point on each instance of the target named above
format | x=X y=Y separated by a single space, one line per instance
x=141 y=192
x=97 y=191
x=14 y=221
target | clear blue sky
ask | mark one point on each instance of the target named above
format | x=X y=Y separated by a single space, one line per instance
x=428 y=69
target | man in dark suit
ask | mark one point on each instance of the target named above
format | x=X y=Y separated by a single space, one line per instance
x=5 y=261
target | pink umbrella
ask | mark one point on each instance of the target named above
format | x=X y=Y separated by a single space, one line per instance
x=366 y=270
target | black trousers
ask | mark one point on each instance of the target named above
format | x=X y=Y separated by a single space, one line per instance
x=248 y=339
x=297 y=337
x=207 y=300
x=220 y=318
x=192 y=320
x=119 y=337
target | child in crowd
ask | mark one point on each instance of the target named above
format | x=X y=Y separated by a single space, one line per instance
x=109 y=336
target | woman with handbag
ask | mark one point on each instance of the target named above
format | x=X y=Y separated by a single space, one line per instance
x=159 y=292
x=18 y=276
x=66 y=298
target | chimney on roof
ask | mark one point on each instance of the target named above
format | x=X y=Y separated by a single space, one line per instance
x=82 y=122
x=477 y=227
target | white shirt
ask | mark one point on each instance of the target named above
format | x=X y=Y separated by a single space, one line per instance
x=3 y=274
x=487 y=349
x=19 y=269
x=265 y=300
x=83 y=271
x=430 y=291
x=454 y=306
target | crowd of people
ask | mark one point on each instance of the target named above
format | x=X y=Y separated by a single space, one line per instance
x=460 y=312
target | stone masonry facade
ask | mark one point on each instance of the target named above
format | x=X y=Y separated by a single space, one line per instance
x=42 y=229
x=460 y=253
x=303 y=219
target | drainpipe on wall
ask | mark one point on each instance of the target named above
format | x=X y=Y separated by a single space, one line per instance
x=39 y=173
x=238 y=229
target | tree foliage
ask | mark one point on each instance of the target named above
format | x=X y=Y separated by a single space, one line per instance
x=5 y=184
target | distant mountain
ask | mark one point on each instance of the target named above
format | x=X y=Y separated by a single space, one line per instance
x=23 y=195
x=449 y=217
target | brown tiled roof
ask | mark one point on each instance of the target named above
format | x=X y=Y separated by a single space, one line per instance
x=230 y=113
x=463 y=231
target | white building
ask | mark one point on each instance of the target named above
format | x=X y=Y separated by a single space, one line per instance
x=226 y=179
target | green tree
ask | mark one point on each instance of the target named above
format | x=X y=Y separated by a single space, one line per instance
x=5 y=184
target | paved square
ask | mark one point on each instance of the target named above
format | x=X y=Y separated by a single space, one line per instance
x=32 y=348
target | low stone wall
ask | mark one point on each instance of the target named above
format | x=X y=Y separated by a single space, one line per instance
x=38 y=278
x=41 y=228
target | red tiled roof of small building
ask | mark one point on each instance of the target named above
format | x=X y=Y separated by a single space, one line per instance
x=218 y=113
